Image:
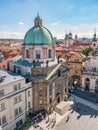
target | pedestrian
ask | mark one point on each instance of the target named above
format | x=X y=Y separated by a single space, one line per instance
x=67 y=118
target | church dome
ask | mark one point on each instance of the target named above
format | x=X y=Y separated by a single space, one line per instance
x=38 y=34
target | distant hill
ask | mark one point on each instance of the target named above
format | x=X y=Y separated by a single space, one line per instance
x=11 y=39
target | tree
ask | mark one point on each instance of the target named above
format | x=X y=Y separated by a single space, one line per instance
x=86 y=50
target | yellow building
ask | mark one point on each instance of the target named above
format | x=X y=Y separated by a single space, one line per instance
x=75 y=73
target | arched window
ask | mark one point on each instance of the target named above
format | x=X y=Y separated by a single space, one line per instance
x=49 y=53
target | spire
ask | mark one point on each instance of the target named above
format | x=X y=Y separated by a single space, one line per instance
x=76 y=37
x=38 y=17
x=38 y=20
x=94 y=38
x=70 y=33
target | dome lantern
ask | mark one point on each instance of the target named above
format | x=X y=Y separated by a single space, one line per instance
x=38 y=20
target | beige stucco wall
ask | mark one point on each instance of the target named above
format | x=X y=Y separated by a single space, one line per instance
x=10 y=105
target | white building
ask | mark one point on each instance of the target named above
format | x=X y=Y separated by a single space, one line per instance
x=90 y=73
x=15 y=100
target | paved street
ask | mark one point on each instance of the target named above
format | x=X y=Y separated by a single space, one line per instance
x=83 y=119
x=92 y=97
x=82 y=116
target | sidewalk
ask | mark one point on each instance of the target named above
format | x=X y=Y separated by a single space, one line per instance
x=47 y=126
x=59 y=118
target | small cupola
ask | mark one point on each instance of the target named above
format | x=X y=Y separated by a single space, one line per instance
x=38 y=21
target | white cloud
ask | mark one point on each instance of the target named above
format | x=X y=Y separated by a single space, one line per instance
x=4 y=34
x=55 y=23
x=59 y=29
x=20 y=23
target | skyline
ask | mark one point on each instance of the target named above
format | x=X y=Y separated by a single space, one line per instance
x=17 y=16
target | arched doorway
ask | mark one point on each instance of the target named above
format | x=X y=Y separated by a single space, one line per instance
x=76 y=80
x=87 y=84
x=96 y=86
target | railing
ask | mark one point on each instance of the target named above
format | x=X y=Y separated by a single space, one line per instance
x=90 y=72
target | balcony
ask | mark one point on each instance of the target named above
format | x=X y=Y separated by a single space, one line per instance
x=91 y=71
x=86 y=71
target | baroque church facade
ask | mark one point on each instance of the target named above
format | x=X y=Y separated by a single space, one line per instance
x=38 y=64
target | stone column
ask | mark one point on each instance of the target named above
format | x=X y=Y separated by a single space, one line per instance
x=92 y=84
x=30 y=55
x=54 y=53
x=23 y=53
x=83 y=83
x=48 y=98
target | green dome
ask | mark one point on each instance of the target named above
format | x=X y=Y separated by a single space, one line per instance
x=38 y=35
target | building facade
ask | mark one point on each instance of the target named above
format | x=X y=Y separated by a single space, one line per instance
x=50 y=88
x=15 y=100
x=90 y=73
x=75 y=73
x=68 y=40
x=40 y=66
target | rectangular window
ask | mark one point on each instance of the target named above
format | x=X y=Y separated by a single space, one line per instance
x=2 y=120
x=40 y=93
x=18 y=111
x=17 y=99
x=50 y=100
x=2 y=106
x=27 y=53
x=1 y=93
x=17 y=87
x=28 y=93
x=59 y=73
x=29 y=105
x=14 y=68
x=38 y=54
x=49 y=53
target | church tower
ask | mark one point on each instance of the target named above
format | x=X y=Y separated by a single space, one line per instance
x=94 y=38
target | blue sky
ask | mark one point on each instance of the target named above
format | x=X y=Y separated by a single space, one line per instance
x=59 y=16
